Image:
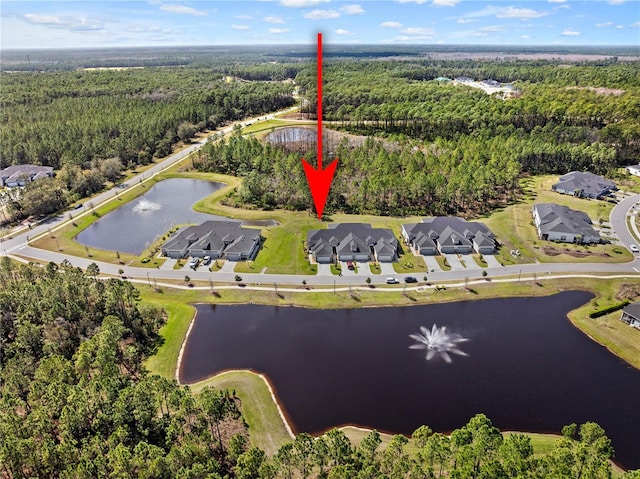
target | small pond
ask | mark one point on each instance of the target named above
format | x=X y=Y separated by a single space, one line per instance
x=135 y=225
x=526 y=366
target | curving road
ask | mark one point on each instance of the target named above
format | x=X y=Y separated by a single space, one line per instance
x=18 y=245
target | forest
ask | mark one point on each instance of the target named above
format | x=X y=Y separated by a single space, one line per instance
x=75 y=401
x=441 y=148
x=91 y=125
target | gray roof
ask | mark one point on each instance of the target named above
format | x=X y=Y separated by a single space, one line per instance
x=351 y=238
x=588 y=183
x=215 y=236
x=562 y=219
x=449 y=230
x=26 y=170
x=633 y=310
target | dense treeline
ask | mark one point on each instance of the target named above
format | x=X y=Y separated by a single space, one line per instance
x=557 y=106
x=470 y=175
x=76 y=117
x=75 y=402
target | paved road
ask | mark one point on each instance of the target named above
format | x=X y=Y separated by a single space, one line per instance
x=18 y=240
x=18 y=246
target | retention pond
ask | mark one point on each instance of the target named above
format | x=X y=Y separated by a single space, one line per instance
x=524 y=365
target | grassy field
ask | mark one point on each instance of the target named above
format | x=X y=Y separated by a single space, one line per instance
x=514 y=228
x=265 y=127
x=408 y=263
x=266 y=428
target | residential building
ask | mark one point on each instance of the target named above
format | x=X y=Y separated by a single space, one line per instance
x=634 y=170
x=352 y=242
x=560 y=223
x=631 y=315
x=20 y=175
x=216 y=239
x=584 y=185
x=448 y=234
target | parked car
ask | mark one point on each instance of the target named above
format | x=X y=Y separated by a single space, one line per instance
x=634 y=248
x=206 y=260
x=391 y=280
x=410 y=279
x=350 y=265
x=193 y=264
x=78 y=206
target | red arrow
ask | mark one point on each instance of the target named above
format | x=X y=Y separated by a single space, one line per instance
x=319 y=180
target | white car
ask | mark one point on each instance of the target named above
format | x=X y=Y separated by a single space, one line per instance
x=391 y=280
x=193 y=263
x=634 y=248
x=206 y=260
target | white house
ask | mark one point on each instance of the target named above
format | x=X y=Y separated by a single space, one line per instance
x=634 y=170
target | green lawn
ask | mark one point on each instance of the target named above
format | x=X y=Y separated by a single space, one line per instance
x=179 y=316
x=514 y=228
x=408 y=263
x=374 y=268
x=266 y=428
x=443 y=263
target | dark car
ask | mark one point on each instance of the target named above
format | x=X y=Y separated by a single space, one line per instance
x=410 y=279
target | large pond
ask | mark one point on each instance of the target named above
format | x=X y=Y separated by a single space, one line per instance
x=134 y=226
x=527 y=367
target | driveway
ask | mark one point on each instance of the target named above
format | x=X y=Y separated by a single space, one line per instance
x=469 y=261
x=168 y=264
x=387 y=269
x=432 y=264
x=454 y=262
x=228 y=266
x=324 y=269
x=492 y=261
x=346 y=271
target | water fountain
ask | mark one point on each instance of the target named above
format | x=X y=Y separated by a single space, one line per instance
x=438 y=342
x=146 y=205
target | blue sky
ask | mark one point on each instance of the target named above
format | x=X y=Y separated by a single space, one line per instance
x=70 y=24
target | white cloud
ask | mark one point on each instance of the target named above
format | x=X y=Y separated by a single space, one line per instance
x=635 y=25
x=479 y=32
x=419 y=2
x=557 y=1
x=616 y=2
x=243 y=17
x=321 y=14
x=620 y=27
x=604 y=25
x=279 y=30
x=521 y=13
x=506 y=12
x=273 y=19
x=417 y=31
x=342 y=31
x=391 y=24
x=241 y=27
x=301 y=3
x=465 y=20
x=72 y=23
x=352 y=9
x=570 y=33
x=445 y=3
x=525 y=37
x=182 y=9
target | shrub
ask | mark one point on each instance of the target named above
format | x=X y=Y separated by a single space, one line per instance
x=601 y=312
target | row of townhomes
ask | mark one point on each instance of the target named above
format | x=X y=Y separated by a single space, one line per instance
x=560 y=223
x=584 y=185
x=361 y=242
x=20 y=175
x=216 y=239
